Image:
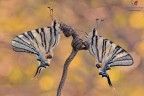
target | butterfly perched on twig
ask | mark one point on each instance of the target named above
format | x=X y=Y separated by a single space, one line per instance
x=107 y=53
x=39 y=42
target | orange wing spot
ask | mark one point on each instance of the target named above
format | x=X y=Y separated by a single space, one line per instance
x=99 y=65
x=42 y=43
x=48 y=56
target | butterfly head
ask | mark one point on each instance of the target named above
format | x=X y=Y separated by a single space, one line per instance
x=104 y=73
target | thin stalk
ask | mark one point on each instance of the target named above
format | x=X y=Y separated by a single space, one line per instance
x=65 y=71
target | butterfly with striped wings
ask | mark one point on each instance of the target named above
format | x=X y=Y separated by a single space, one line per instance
x=39 y=42
x=107 y=54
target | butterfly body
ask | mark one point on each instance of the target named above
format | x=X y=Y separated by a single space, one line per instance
x=107 y=54
x=39 y=42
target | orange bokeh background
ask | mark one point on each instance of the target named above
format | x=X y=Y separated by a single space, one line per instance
x=124 y=27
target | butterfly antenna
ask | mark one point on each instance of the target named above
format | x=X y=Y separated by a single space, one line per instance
x=51 y=12
x=97 y=24
x=101 y=22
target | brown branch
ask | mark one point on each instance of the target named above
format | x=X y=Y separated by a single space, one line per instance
x=65 y=71
x=78 y=44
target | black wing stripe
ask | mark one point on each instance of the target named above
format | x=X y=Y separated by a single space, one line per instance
x=107 y=49
x=100 y=45
x=36 y=42
x=19 y=45
x=122 y=63
x=122 y=58
x=121 y=51
x=30 y=34
x=37 y=38
x=25 y=36
x=54 y=36
x=93 y=37
x=47 y=36
x=50 y=42
x=92 y=50
x=110 y=50
x=24 y=45
x=91 y=41
x=126 y=56
x=22 y=50
x=37 y=30
x=27 y=43
x=44 y=39
x=104 y=48
x=114 y=51
x=97 y=51
x=54 y=27
x=30 y=39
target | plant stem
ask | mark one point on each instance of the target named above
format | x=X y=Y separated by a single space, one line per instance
x=65 y=71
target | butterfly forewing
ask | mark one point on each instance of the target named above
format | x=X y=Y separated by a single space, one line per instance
x=42 y=39
x=121 y=59
x=23 y=45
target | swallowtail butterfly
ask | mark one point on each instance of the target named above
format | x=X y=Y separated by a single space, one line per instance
x=39 y=42
x=107 y=53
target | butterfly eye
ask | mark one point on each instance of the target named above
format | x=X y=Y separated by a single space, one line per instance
x=98 y=66
x=48 y=56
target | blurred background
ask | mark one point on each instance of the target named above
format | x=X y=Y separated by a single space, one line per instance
x=121 y=24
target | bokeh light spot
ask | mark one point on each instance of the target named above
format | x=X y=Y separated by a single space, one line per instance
x=136 y=20
x=46 y=83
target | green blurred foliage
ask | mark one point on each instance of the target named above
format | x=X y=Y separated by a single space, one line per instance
x=121 y=26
